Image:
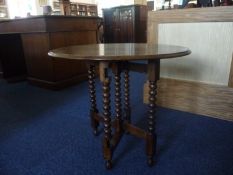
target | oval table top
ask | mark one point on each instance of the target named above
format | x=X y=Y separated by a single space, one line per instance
x=119 y=51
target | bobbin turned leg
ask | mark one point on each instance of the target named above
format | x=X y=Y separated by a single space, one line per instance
x=151 y=138
x=117 y=75
x=127 y=109
x=105 y=79
x=92 y=94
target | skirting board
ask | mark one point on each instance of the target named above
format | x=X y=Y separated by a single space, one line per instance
x=199 y=98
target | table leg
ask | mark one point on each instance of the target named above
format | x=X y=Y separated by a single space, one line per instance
x=127 y=109
x=105 y=79
x=151 y=138
x=92 y=94
x=117 y=72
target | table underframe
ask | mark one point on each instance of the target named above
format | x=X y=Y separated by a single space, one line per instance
x=122 y=121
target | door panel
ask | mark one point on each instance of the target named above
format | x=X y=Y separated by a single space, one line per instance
x=126 y=25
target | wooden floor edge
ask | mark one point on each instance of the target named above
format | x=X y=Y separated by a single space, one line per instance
x=199 y=98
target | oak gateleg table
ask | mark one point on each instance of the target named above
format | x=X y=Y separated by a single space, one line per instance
x=121 y=57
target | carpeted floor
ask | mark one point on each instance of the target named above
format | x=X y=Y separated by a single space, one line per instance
x=46 y=132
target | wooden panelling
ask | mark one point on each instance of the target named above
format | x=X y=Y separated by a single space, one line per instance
x=125 y=24
x=61 y=39
x=199 y=98
x=38 y=62
x=54 y=70
x=230 y=83
x=206 y=31
x=211 y=46
x=191 y=15
x=64 y=68
x=48 y=23
x=42 y=33
x=22 y=25
x=72 y=24
x=195 y=97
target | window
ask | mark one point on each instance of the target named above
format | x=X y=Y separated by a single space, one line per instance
x=20 y=8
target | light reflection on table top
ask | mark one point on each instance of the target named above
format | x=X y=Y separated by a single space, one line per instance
x=120 y=51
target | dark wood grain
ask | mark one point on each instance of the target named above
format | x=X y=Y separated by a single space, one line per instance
x=117 y=57
x=92 y=94
x=106 y=116
x=127 y=108
x=50 y=23
x=125 y=24
x=123 y=51
x=43 y=33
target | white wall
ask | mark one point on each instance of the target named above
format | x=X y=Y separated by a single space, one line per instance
x=211 y=45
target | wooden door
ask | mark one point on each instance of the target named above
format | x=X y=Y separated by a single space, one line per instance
x=107 y=15
x=116 y=23
x=111 y=25
x=126 y=25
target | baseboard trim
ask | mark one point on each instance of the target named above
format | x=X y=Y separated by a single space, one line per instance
x=57 y=85
x=199 y=98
